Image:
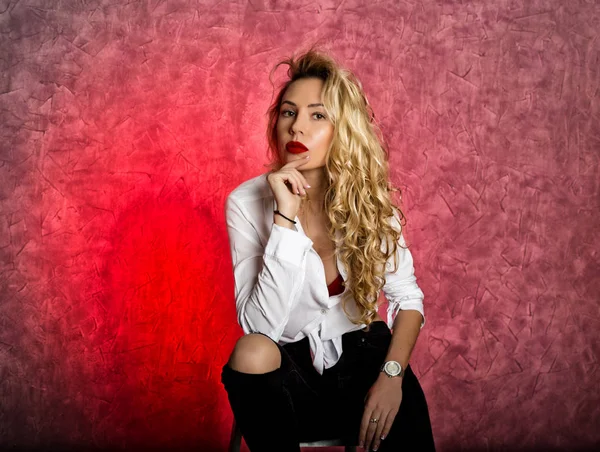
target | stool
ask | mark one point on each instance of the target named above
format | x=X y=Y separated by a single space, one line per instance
x=236 y=441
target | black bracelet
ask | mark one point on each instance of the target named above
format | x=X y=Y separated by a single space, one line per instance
x=279 y=213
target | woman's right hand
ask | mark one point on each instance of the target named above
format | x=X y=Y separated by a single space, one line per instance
x=287 y=186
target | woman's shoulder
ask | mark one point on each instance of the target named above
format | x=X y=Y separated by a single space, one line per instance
x=251 y=190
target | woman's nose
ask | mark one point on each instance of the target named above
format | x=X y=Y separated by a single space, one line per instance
x=297 y=126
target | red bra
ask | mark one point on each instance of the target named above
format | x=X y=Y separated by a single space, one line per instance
x=337 y=286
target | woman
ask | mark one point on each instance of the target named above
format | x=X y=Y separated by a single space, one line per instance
x=309 y=243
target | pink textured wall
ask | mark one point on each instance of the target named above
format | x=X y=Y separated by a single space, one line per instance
x=125 y=125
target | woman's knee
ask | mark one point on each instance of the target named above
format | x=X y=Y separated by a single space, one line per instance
x=255 y=353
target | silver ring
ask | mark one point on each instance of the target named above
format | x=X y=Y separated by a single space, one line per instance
x=374 y=420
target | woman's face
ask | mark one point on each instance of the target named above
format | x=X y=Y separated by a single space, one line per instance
x=302 y=118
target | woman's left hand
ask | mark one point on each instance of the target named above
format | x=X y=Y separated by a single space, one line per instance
x=382 y=402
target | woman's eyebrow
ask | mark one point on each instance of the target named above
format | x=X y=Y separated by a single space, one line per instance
x=309 y=105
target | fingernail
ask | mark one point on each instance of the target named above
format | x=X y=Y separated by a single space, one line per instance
x=382 y=437
x=308 y=156
x=375 y=448
x=308 y=186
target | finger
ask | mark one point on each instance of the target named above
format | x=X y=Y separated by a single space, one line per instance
x=297 y=162
x=364 y=425
x=299 y=184
x=303 y=179
x=371 y=431
x=388 y=425
x=300 y=181
x=369 y=427
x=288 y=182
x=290 y=168
x=294 y=182
x=380 y=425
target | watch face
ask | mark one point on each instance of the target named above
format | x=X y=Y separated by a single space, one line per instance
x=393 y=368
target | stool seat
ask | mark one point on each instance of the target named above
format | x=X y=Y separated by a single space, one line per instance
x=236 y=441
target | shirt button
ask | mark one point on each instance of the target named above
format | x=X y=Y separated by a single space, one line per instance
x=323 y=311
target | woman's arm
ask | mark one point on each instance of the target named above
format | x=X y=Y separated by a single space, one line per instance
x=404 y=336
x=405 y=313
x=268 y=280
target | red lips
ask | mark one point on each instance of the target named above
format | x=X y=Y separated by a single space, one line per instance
x=295 y=147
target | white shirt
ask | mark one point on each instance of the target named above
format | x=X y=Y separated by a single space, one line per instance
x=280 y=286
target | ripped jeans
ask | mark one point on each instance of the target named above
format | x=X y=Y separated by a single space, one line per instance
x=277 y=410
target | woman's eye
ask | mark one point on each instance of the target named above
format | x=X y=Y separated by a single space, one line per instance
x=284 y=113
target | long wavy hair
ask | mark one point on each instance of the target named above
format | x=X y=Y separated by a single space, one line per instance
x=358 y=198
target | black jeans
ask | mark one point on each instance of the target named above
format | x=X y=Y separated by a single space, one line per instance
x=278 y=409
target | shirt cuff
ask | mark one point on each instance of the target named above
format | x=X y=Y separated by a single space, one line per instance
x=288 y=245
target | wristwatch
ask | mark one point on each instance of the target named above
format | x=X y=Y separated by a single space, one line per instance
x=392 y=369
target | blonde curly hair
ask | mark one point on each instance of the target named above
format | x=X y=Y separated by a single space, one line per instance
x=358 y=200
